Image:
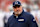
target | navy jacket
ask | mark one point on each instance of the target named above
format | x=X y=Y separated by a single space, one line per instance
x=23 y=20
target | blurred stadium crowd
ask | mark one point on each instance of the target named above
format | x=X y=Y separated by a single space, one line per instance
x=31 y=6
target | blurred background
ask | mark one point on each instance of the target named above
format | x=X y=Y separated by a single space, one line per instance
x=31 y=6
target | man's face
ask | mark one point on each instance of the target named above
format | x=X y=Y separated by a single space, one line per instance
x=17 y=9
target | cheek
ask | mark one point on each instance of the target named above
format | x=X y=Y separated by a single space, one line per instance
x=14 y=10
x=20 y=9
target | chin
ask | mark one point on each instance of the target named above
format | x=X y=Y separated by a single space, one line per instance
x=18 y=13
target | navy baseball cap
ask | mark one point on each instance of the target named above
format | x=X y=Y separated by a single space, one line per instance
x=16 y=3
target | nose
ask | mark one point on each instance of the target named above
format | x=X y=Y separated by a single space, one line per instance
x=17 y=9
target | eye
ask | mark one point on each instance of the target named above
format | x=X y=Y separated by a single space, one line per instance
x=14 y=7
x=18 y=6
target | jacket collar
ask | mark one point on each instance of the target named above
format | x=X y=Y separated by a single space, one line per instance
x=18 y=15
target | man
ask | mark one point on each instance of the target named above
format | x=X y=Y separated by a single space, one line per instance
x=20 y=18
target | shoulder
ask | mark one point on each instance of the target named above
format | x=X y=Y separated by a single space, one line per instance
x=10 y=18
x=28 y=15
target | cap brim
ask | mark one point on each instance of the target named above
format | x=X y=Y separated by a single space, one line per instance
x=16 y=5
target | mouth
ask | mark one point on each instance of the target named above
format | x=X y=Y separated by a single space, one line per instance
x=17 y=12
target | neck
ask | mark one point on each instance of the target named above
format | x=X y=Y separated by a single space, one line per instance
x=16 y=14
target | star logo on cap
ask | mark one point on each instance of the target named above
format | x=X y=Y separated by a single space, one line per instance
x=16 y=2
